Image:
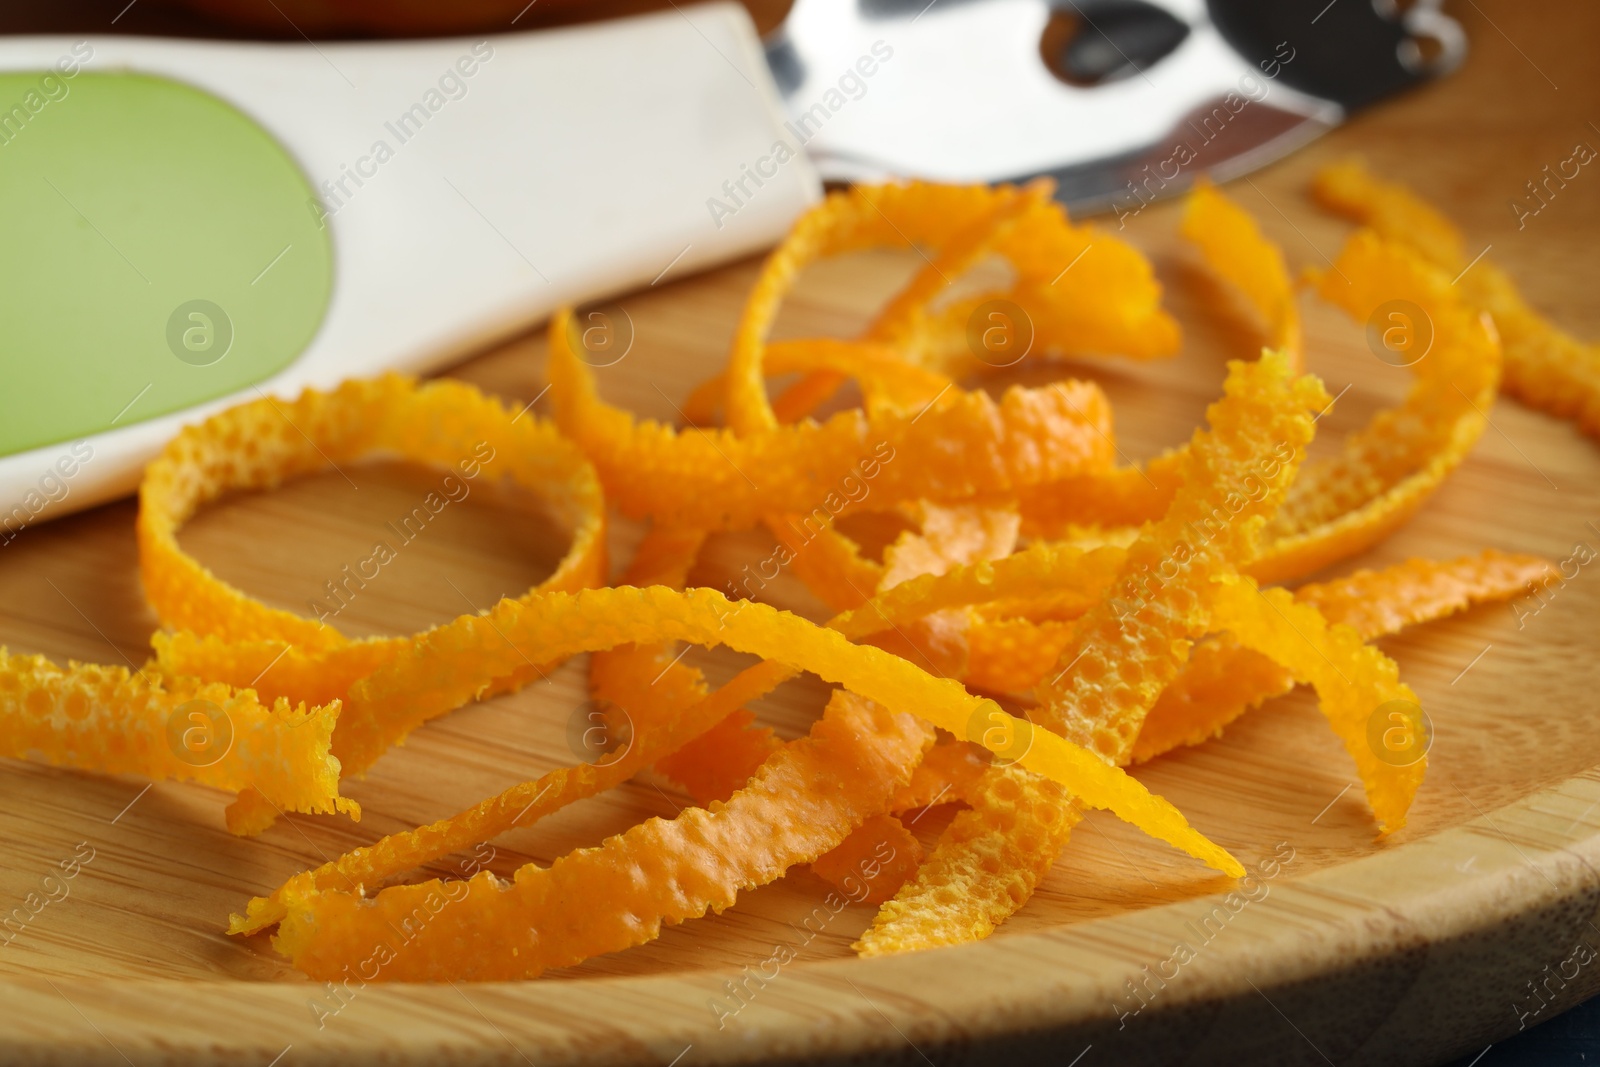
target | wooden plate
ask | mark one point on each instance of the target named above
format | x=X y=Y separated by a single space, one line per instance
x=1471 y=922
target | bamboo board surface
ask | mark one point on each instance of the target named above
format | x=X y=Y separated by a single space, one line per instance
x=1401 y=951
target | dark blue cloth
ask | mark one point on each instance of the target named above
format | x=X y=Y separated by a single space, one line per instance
x=1569 y=1040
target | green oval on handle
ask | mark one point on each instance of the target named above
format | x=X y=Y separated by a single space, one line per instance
x=160 y=249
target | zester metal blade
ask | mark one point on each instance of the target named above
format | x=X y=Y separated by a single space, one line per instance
x=961 y=91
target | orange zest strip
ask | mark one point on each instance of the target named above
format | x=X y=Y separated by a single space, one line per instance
x=110 y=720
x=1222 y=680
x=1353 y=681
x=521 y=805
x=1385 y=471
x=1544 y=366
x=1379 y=602
x=658 y=872
x=1129 y=646
x=1234 y=248
x=987 y=864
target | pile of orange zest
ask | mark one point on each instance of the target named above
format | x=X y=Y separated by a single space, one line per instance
x=1132 y=613
x=115 y=721
x=440 y=672
x=224 y=635
x=1223 y=680
x=1545 y=367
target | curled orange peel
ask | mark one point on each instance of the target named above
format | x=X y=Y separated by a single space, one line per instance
x=721 y=479
x=1545 y=367
x=222 y=634
x=1111 y=303
x=987 y=864
x=1384 y=472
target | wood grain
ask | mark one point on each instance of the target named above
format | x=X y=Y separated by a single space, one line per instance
x=1403 y=951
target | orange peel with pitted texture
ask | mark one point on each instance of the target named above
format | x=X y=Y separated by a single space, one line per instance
x=1545 y=367
x=116 y=721
x=220 y=633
